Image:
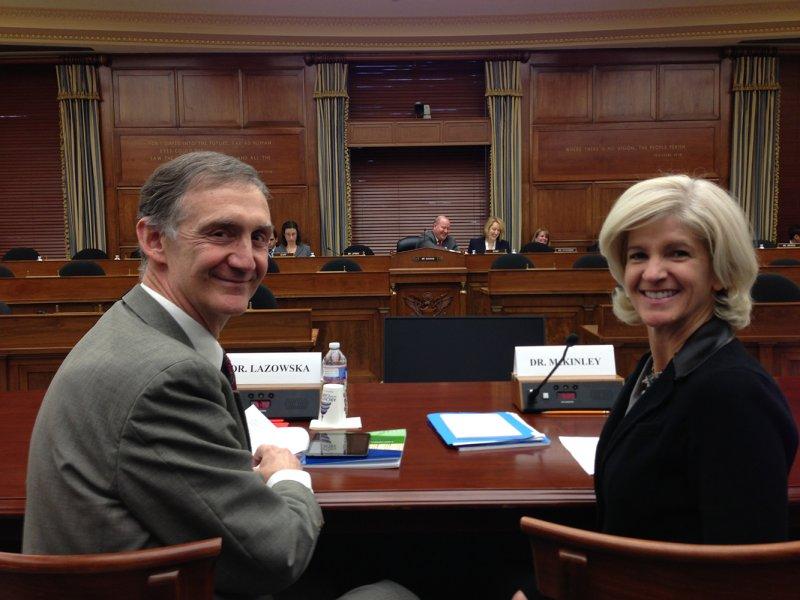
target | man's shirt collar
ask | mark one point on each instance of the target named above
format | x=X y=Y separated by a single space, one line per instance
x=204 y=343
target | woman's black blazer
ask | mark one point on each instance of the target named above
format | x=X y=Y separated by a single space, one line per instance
x=478 y=245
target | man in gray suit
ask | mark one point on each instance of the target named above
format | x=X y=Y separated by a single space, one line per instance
x=140 y=440
x=439 y=235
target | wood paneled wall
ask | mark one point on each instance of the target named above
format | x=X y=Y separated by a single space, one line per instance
x=593 y=123
x=257 y=108
x=600 y=121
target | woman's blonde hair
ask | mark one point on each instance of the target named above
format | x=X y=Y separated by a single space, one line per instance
x=488 y=224
x=711 y=214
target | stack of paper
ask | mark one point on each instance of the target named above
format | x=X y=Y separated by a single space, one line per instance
x=486 y=431
x=262 y=431
x=385 y=452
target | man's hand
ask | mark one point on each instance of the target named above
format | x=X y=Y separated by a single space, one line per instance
x=269 y=459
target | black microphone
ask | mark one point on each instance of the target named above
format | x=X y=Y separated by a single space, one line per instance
x=571 y=340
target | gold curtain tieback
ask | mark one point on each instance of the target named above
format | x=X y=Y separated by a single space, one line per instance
x=503 y=92
x=761 y=87
x=330 y=95
x=77 y=96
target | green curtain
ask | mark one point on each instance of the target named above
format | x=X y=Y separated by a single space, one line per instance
x=78 y=102
x=330 y=95
x=754 y=141
x=504 y=97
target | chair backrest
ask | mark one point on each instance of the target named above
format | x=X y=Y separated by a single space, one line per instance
x=5 y=309
x=573 y=563
x=6 y=272
x=181 y=572
x=90 y=254
x=784 y=262
x=512 y=261
x=21 y=254
x=137 y=253
x=359 y=249
x=341 y=264
x=410 y=242
x=536 y=247
x=591 y=261
x=80 y=268
x=770 y=287
x=263 y=298
x=764 y=244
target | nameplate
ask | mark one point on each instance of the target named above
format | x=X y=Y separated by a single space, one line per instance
x=275 y=368
x=566 y=249
x=427 y=258
x=538 y=361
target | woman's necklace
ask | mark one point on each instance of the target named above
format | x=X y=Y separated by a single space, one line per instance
x=650 y=379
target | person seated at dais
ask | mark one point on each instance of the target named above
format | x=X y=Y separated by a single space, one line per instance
x=491 y=240
x=439 y=235
x=291 y=242
x=542 y=236
x=794 y=235
x=700 y=441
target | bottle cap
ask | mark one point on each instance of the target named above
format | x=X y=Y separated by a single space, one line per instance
x=333 y=345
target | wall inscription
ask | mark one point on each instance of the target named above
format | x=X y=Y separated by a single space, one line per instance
x=603 y=154
x=278 y=158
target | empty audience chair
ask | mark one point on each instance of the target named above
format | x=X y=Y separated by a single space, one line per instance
x=784 y=262
x=90 y=254
x=591 y=261
x=341 y=264
x=80 y=268
x=263 y=298
x=272 y=266
x=5 y=309
x=6 y=272
x=770 y=287
x=180 y=572
x=573 y=563
x=410 y=242
x=358 y=249
x=512 y=261
x=536 y=247
x=21 y=254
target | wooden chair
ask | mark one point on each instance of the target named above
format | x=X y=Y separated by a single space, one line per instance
x=573 y=563
x=180 y=572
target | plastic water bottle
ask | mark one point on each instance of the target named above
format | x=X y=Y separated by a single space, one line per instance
x=334 y=369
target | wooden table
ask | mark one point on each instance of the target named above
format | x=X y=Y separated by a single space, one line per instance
x=431 y=475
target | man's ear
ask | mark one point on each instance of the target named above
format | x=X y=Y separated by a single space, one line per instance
x=151 y=241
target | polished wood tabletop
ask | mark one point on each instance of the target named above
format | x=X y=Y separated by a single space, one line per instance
x=431 y=475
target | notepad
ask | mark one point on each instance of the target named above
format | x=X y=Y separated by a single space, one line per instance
x=485 y=431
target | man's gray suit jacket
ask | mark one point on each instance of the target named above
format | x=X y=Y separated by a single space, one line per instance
x=139 y=443
x=429 y=241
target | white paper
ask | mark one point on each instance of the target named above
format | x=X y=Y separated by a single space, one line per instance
x=276 y=368
x=478 y=425
x=348 y=423
x=582 y=449
x=583 y=360
x=263 y=431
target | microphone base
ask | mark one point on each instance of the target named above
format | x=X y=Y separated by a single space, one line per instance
x=566 y=393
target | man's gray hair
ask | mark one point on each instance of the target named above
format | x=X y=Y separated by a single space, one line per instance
x=161 y=195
